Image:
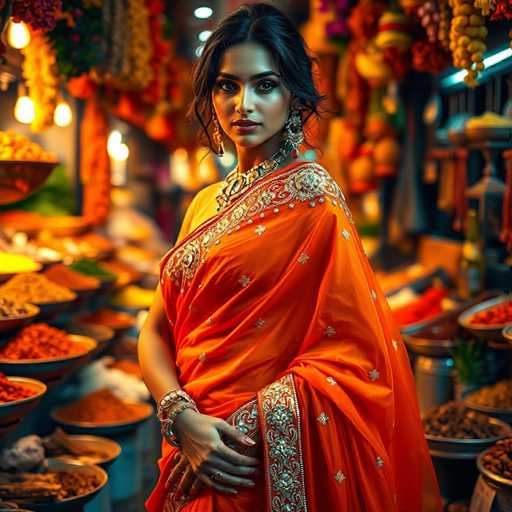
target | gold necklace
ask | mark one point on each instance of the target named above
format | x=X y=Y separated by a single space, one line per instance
x=236 y=182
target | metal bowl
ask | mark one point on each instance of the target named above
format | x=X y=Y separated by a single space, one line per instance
x=483 y=331
x=5 y=276
x=504 y=415
x=507 y=333
x=17 y=322
x=489 y=133
x=465 y=448
x=78 y=502
x=498 y=482
x=101 y=333
x=110 y=448
x=49 y=309
x=103 y=429
x=51 y=368
x=19 y=179
x=12 y=411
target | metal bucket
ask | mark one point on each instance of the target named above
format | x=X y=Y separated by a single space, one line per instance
x=435 y=381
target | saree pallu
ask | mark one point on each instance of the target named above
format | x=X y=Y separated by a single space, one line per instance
x=275 y=311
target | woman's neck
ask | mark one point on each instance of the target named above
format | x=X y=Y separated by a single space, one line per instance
x=250 y=157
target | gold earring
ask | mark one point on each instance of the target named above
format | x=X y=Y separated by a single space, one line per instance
x=293 y=133
x=217 y=137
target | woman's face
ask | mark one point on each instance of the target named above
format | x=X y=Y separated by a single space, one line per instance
x=249 y=98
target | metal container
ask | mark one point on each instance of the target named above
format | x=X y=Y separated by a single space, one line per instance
x=484 y=331
x=435 y=381
x=503 y=486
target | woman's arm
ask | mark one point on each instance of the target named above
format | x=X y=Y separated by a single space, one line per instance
x=199 y=434
x=156 y=357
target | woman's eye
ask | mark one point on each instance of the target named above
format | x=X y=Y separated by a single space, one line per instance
x=266 y=85
x=226 y=86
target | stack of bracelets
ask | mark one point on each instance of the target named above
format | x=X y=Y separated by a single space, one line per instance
x=171 y=404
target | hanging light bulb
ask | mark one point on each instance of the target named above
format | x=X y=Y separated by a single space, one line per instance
x=24 y=110
x=121 y=152
x=18 y=35
x=62 y=115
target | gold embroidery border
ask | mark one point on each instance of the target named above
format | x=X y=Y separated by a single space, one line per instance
x=302 y=184
x=282 y=446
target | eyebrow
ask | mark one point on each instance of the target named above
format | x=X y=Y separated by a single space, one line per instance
x=253 y=77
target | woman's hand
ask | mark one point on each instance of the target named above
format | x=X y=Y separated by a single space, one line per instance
x=207 y=458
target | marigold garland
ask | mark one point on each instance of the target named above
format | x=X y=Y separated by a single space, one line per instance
x=40 y=72
x=95 y=163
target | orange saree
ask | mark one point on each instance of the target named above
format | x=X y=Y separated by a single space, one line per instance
x=276 y=314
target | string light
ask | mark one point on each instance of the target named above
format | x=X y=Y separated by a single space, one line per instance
x=18 y=35
x=204 y=35
x=24 y=109
x=116 y=148
x=62 y=116
x=203 y=13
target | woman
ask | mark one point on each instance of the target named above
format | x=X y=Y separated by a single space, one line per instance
x=294 y=389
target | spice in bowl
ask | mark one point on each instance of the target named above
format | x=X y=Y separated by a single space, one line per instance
x=454 y=420
x=66 y=276
x=48 y=486
x=113 y=319
x=36 y=289
x=498 y=459
x=90 y=267
x=498 y=395
x=496 y=315
x=40 y=341
x=13 y=309
x=101 y=407
x=14 y=263
x=13 y=391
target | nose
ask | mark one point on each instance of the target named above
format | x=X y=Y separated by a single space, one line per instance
x=244 y=101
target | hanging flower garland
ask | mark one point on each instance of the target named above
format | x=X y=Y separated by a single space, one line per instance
x=467 y=39
x=40 y=72
x=95 y=163
x=139 y=45
x=39 y=14
x=78 y=38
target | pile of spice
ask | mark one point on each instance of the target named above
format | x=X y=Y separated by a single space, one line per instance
x=13 y=309
x=498 y=395
x=40 y=341
x=66 y=276
x=14 y=263
x=92 y=268
x=127 y=366
x=455 y=421
x=497 y=315
x=49 y=486
x=12 y=391
x=110 y=318
x=59 y=443
x=102 y=407
x=36 y=289
x=498 y=459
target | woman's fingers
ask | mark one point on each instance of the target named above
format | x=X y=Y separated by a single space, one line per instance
x=214 y=485
x=223 y=478
x=177 y=471
x=217 y=462
x=185 y=483
x=233 y=433
x=236 y=458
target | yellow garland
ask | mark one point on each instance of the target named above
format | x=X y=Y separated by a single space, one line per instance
x=140 y=48
x=467 y=39
x=40 y=72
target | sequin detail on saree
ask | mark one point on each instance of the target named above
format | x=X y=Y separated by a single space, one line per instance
x=302 y=184
x=281 y=436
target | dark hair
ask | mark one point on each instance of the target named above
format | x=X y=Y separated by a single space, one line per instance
x=268 y=26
